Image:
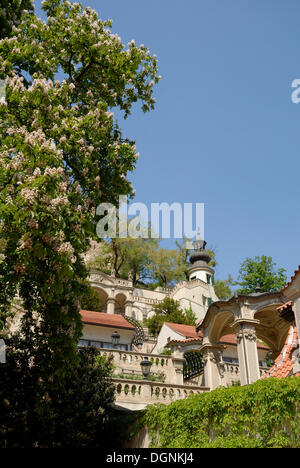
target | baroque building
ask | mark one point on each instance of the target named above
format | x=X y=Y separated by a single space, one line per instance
x=119 y=296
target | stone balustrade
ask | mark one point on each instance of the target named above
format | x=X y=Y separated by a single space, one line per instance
x=137 y=394
x=129 y=362
x=232 y=371
x=165 y=369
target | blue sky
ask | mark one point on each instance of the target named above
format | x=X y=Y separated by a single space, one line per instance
x=225 y=131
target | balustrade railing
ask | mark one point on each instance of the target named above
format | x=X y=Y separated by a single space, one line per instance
x=233 y=369
x=145 y=392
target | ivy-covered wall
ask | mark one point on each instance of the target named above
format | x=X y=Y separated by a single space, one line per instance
x=264 y=414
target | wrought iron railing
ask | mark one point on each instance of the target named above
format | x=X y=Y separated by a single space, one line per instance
x=139 y=335
x=193 y=364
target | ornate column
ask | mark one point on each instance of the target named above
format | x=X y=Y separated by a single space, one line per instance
x=213 y=365
x=247 y=350
x=296 y=367
x=128 y=307
x=111 y=305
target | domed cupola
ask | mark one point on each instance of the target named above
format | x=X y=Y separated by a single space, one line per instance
x=199 y=260
x=200 y=257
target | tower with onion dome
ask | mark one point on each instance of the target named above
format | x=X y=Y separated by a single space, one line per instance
x=199 y=260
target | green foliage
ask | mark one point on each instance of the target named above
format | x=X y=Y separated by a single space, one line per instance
x=11 y=14
x=159 y=377
x=90 y=300
x=166 y=352
x=264 y=414
x=260 y=272
x=75 y=413
x=168 y=310
x=222 y=288
x=190 y=316
x=144 y=261
x=125 y=258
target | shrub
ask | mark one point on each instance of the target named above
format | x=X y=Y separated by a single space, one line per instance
x=72 y=412
x=264 y=414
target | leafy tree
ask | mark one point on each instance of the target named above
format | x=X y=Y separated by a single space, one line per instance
x=90 y=300
x=190 y=315
x=144 y=261
x=125 y=257
x=168 y=310
x=61 y=155
x=222 y=288
x=165 y=266
x=11 y=14
x=260 y=272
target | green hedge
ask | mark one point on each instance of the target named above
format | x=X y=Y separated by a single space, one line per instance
x=264 y=414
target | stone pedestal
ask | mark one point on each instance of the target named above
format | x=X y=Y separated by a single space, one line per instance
x=213 y=365
x=111 y=305
x=247 y=351
x=178 y=362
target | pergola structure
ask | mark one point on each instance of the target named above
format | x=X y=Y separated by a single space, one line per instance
x=250 y=317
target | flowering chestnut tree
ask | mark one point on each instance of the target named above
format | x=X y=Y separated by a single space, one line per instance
x=11 y=12
x=61 y=154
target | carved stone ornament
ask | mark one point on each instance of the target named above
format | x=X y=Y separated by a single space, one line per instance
x=248 y=333
x=213 y=356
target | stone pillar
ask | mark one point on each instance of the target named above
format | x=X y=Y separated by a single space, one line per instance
x=146 y=392
x=247 y=351
x=297 y=315
x=296 y=367
x=128 y=308
x=213 y=365
x=111 y=305
x=178 y=362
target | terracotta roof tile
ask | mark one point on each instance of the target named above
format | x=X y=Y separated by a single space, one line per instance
x=292 y=279
x=226 y=339
x=188 y=340
x=189 y=331
x=284 y=306
x=283 y=365
x=107 y=320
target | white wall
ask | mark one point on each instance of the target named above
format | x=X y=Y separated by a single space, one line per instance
x=100 y=333
x=162 y=339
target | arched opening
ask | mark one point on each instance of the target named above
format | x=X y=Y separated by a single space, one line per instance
x=102 y=298
x=137 y=314
x=272 y=329
x=150 y=314
x=120 y=303
x=221 y=325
